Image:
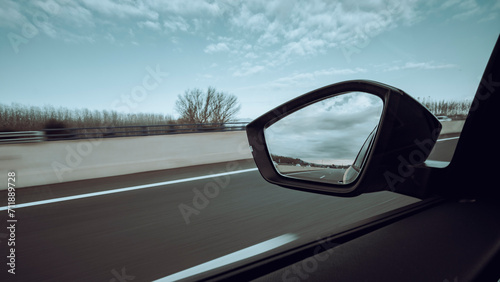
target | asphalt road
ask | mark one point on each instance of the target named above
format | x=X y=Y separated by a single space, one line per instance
x=175 y=221
x=328 y=175
x=444 y=149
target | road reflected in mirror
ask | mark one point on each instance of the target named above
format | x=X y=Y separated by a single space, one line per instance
x=327 y=141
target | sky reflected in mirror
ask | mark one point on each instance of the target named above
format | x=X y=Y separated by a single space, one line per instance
x=329 y=132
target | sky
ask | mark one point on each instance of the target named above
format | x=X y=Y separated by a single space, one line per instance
x=138 y=56
x=331 y=131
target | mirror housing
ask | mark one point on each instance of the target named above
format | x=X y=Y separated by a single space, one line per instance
x=406 y=134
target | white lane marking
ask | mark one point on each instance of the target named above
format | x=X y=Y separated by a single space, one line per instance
x=143 y=187
x=446 y=139
x=293 y=173
x=322 y=177
x=55 y=200
x=232 y=257
x=307 y=171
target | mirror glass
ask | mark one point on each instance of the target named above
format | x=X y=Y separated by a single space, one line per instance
x=327 y=141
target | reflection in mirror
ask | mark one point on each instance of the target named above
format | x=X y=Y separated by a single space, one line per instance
x=327 y=141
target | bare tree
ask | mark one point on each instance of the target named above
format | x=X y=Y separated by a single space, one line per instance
x=210 y=107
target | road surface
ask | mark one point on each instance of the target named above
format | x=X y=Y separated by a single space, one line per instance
x=148 y=226
x=328 y=175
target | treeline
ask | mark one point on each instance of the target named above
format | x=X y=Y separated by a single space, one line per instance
x=451 y=108
x=294 y=161
x=17 y=117
x=194 y=107
x=287 y=160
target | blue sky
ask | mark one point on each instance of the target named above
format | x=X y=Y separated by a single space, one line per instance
x=137 y=56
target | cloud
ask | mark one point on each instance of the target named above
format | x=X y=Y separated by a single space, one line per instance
x=232 y=46
x=467 y=14
x=215 y=48
x=49 y=18
x=77 y=15
x=35 y=19
x=334 y=128
x=248 y=69
x=251 y=55
x=277 y=32
x=77 y=39
x=121 y=9
x=490 y=17
x=302 y=47
x=11 y=15
x=496 y=6
x=449 y=3
x=423 y=65
x=299 y=79
x=291 y=29
x=149 y=24
x=246 y=19
x=334 y=71
x=464 y=10
x=110 y=38
x=188 y=8
x=48 y=28
x=174 y=24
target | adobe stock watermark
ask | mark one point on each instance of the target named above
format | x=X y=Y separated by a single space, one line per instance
x=201 y=198
x=406 y=166
x=140 y=93
x=490 y=86
x=76 y=152
x=30 y=29
x=302 y=270
x=270 y=135
x=121 y=276
x=368 y=31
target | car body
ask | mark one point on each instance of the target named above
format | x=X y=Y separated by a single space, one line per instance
x=453 y=234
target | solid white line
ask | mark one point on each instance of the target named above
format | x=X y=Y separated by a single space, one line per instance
x=293 y=173
x=232 y=257
x=307 y=171
x=55 y=200
x=446 y=139
x=49 y=201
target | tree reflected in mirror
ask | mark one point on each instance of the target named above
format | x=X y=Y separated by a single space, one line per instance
x=327 y=141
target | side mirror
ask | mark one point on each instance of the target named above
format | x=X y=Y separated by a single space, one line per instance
x=344 y=139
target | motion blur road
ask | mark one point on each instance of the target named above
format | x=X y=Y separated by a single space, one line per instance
x=155 y=230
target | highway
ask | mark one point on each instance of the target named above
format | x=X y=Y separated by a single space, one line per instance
x=444 y=148
x=151 y=225
x=328 y=175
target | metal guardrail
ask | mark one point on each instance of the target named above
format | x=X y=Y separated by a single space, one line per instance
x=21 y=137
x=55 y=134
